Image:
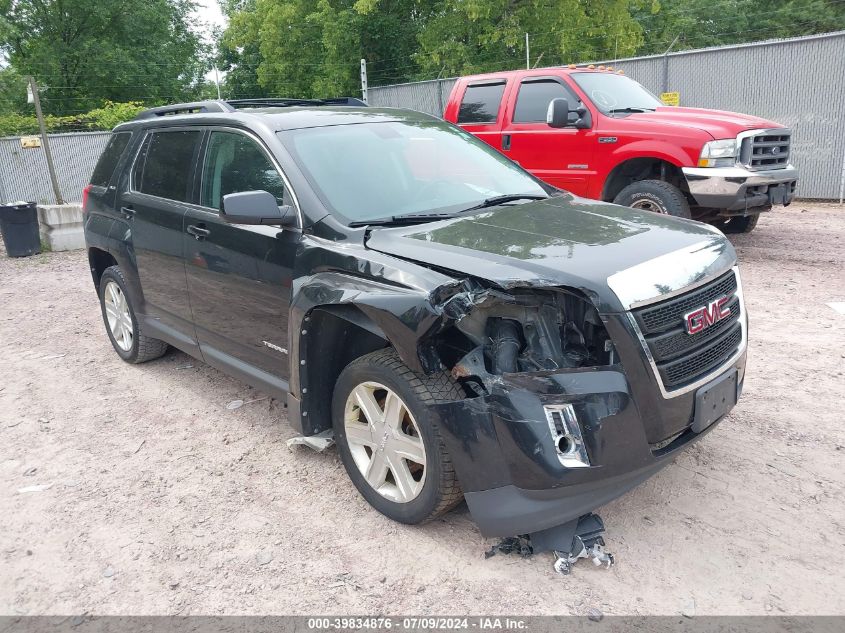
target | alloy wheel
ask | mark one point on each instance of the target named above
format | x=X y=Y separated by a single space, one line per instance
x=118 y=316
x=385 y=442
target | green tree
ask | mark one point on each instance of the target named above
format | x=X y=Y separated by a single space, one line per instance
x=699 y=24
x=471 y=36
x=302 y=48
x=83 y=52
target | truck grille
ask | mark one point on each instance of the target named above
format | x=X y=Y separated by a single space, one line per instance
x=683 y=358
x=767 y=150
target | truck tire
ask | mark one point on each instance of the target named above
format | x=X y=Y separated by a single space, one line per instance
x=654 y=195
x=122 y=324
x=741 y=224
x=388 y=438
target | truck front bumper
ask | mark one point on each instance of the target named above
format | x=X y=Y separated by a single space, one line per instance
x=738 y=191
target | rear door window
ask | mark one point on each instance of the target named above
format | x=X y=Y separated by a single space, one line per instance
x=481 y=103
x=534 y=97
x=109 y=159
x=235 y=163
x=167 y=161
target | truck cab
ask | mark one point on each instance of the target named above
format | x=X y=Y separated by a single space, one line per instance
x=617 y=142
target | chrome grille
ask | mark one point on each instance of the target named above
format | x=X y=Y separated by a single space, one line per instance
x=681 y=358
x=768 y=149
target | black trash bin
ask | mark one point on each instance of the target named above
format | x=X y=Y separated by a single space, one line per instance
x=19 y=226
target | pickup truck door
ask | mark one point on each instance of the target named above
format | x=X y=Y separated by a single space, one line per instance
x=562 y=157
x=482 y=110
x=239 y=276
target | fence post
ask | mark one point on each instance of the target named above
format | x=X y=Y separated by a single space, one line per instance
x=666 y=64
x=50 y=167
x=364 y=96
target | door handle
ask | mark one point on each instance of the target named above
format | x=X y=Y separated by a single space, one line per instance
x=506 y=141
x=198 y=231
x=128 y=212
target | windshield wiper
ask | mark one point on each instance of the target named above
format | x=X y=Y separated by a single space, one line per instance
x=420 y=218
x=497 y=200
x=615 y=110
x=407 y=218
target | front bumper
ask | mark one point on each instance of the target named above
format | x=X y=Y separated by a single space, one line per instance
x=737 y=190
x=504 y=455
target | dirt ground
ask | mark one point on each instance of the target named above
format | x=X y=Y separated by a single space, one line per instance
x=153 y=498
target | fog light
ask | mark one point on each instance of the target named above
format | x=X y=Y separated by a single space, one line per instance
x=566 y=435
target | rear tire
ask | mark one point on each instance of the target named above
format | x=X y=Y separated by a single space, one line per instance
x=654 y=195
x=122 y=323
x=407 y=490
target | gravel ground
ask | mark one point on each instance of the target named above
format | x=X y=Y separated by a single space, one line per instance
x=154 y=498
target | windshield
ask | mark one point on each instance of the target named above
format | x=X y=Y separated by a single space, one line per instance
x=616 y=93
x=369 y=171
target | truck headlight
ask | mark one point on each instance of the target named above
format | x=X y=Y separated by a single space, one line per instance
x=718 y=153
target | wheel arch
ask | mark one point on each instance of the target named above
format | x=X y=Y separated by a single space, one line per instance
x=98 y=260
x=331 y=337
x=638 y=168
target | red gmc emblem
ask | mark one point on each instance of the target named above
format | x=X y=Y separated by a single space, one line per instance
x=705 y=316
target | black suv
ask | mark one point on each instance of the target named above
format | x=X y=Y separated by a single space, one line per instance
x=464 y=330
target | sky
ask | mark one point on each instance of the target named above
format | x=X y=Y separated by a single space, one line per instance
x=208 y=12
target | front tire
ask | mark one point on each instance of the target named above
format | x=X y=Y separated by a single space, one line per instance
x=122 y=323
x=741 y=224
x=388 y=438
x=656 y=196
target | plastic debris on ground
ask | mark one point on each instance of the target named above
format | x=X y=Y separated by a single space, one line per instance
x=318 y=442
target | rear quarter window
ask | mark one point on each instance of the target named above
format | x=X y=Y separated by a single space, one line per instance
x=110 y=158
x=481 y=103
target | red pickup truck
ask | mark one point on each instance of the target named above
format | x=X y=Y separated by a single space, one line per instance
x=600 y=134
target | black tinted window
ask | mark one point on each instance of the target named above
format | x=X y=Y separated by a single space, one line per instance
x=481 y=103
x=235 y=163
x=109 y=159
x=533 y=99
x=166 y=166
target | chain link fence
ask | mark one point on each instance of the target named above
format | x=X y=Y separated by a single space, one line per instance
x=798 y=82
x=23 y=171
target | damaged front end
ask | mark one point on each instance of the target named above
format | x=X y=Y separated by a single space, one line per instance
x=549 y=429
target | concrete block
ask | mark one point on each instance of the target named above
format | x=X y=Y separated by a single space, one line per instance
x=61 y=226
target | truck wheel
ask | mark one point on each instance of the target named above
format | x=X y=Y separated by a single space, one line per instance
x=741 y=224
x=122 y=324
x=388 y=438
x=656 y=196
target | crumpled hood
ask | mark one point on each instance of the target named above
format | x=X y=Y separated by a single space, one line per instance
x=717 y=123
x=562 y=241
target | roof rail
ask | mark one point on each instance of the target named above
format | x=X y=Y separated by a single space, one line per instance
x=198 y=107
x=195 y=107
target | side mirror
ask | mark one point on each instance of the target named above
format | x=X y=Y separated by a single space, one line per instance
x=256 y=207
x=559 y=115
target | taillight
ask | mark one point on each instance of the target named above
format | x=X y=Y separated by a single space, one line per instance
x=85 y=193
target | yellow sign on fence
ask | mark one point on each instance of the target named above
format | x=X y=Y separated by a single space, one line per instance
x=28 y=142
x=671 y=98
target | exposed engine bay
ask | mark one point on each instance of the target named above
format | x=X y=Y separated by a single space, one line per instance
x=529 y=331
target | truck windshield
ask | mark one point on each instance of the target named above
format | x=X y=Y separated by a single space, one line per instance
x=614 y=94
x=374 y=170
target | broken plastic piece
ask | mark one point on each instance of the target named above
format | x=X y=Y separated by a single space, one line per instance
x=318 y=442
x=570 y=542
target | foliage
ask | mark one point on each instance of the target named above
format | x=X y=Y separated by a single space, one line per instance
x=699 y=24
x=85 y=51
x=308 y=48
x=104 y=118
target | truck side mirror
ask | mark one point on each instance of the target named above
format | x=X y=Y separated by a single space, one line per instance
x=256 y=207
x=559 y=115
